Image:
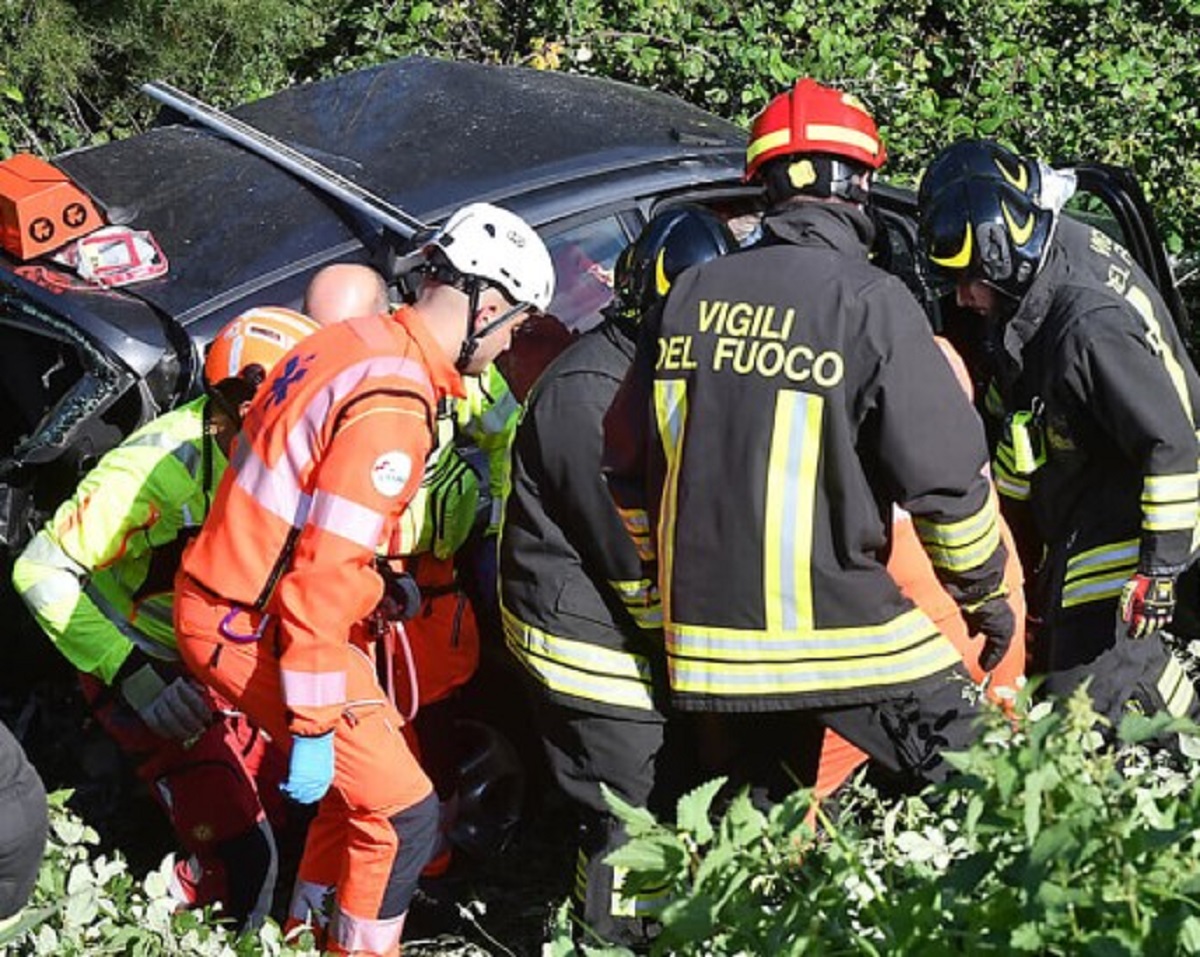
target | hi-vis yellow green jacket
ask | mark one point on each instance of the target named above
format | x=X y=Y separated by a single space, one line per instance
x=99 y=578
x=792 y=393
x=472 y=439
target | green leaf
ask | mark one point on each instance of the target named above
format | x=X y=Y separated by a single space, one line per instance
x=660 y=854
x=22 y=922
x=693 y=919
x=743 y=822
x=637 y=820
x=692 y=810
x=1052 y=843
x=1027 y=937
x=1189 y=935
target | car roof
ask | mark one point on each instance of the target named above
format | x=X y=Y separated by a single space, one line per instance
x=425 y=134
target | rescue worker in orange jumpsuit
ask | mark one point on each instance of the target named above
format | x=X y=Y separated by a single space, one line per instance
x=909 y=565
x=269 y=594
x=98 y=579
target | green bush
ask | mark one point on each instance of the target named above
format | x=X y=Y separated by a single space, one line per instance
x=1047 y=842
x=87 y=905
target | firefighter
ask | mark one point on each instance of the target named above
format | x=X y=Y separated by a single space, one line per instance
x=791 y=394
x=98 y=578
x=270 y=592
x=578 y=612
x=1100 y=405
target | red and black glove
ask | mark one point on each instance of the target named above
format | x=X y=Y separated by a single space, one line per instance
x=993 y=619
x=1147 y=604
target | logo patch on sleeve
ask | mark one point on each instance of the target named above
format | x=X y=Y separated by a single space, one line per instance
x=390 y=473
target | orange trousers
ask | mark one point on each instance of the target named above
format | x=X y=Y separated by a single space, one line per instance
x=375 y=828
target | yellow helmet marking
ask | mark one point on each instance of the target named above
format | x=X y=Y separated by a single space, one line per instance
x=961 y=259
x=661 y=283
x=1020 y=234
x=833 y=133
x=802 y=173
x=768 y=141
x=1020 y=180
x=849 y=99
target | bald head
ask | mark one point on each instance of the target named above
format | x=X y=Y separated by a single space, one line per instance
x=343 y=291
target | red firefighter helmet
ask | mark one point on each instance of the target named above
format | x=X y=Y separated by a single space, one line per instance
x=257 y=338
x=811 y=118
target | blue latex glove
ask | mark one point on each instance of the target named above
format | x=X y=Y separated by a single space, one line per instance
x=310 y=769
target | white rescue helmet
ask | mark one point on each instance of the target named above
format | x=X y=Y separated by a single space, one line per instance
x=495 y=245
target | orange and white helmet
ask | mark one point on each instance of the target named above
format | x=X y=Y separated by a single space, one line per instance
x=250 y=345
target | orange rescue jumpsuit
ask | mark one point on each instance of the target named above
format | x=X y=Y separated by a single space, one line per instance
x=910 y=567
x=270 y=592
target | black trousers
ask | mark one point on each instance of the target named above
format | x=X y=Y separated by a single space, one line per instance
x=774 y=753
x=643 y=761
x=1126 y=674
x=23 y=825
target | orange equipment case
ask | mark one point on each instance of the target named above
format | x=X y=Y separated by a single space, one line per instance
x=40 y=208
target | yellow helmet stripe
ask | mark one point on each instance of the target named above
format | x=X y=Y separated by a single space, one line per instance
x=661 y=283
x=768 y=141
x=842 y=134
x=961 y=259
x=1020 y=234
x=1020 y=180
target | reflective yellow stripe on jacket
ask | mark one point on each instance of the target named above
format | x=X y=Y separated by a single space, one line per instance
x=1100 y=573
x=1169 y=502
x=578 y=668
x=960 y=546
x=792 y=654
x=640 y=599
x=729 y=661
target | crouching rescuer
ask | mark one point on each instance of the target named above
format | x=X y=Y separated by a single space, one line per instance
x=271 y=591
x=99 y=579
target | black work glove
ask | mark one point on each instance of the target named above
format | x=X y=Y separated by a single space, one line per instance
x=993 y=619
x=401 y=594
x=1147 y=604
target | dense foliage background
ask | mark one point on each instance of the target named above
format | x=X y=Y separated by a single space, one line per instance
x=1109 y=80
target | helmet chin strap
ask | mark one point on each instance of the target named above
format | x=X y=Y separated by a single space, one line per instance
x=471 y=342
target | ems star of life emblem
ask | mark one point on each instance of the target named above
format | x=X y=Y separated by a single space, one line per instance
x=390 y=473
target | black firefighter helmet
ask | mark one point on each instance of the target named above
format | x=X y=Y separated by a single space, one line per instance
x=981 y=216
x=674 y=240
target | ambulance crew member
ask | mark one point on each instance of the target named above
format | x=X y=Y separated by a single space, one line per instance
x=791 y=396
x=909 y=565
x=98 y=578
x=269 y=593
